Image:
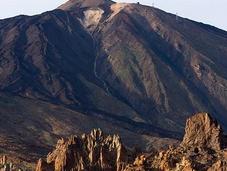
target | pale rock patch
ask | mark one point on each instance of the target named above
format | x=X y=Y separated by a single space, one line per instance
x=116 y=8
x=92 y=18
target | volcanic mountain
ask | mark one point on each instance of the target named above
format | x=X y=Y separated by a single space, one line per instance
x=128 y=69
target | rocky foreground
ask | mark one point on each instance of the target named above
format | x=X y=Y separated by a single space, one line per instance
x=203 y=148
x=94 y=151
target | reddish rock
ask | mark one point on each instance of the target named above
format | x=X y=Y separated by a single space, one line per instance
x=202 y=149
x=203 y=131
x=94 y=151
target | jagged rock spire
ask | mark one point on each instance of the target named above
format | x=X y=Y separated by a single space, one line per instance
x=201 y=149
x=203 y=131
x=94 y=151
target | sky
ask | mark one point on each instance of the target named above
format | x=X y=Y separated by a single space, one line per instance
x=213 y=12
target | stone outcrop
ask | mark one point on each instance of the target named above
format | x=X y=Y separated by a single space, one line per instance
x=8 y=165
x=202 y=149
x=94 y=151
x=203 y=131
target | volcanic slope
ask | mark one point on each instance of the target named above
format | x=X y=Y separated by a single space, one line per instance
x=126 y=68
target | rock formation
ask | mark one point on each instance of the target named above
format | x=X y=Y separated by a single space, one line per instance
x=7 y=165
x=94 y=151
x=202 y=149
x=203 y=131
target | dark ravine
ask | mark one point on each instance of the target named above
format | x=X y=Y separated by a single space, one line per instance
x=128 y=69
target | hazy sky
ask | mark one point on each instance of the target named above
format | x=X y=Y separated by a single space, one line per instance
x=212 y=12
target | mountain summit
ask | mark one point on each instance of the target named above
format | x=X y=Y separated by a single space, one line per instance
x=72 y=4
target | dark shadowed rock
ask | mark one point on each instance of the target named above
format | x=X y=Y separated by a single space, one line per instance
x=42 y=165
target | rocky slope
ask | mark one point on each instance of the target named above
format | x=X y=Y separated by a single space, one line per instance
x=40 y=124
x=152 y=62
x=138 y=46
x=125 y=68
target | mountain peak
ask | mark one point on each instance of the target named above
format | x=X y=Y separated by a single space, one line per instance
x=71 y=4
